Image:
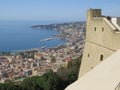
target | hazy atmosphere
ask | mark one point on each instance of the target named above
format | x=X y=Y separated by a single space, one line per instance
x=45 y=10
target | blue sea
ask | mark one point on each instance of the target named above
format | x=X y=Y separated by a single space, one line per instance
x=19 y=35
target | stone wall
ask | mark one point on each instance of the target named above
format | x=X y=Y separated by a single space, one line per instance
x=102 y=40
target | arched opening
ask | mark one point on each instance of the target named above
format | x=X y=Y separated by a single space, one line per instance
x=94 y=28
x=101 y=57
x=88 y=55
x=102 y=29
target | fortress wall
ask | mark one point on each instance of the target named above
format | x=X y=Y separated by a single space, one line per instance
x=101 y=39
x=104 y=34
x=91 y=57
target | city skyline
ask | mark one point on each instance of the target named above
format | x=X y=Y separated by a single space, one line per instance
x=48 y=10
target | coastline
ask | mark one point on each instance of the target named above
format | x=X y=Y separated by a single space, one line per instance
x=33 y=49
x=62 y=34
x=38 y=61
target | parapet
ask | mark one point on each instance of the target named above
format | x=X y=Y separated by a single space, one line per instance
x=93 y=13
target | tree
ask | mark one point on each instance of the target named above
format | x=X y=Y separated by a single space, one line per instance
x=49 y=81
x=70 y=73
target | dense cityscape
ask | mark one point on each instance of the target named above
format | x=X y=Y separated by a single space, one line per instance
x=19 y=65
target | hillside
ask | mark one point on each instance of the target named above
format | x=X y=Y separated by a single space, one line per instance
x=73 y=31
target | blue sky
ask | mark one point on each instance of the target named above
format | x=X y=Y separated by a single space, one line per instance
x=43 y=10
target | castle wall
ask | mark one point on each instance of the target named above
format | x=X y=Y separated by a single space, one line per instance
x=91 y=57
x=104 y=34
x=101 y=40
x=105 y=76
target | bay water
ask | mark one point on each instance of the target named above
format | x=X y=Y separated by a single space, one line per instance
x=19 y=35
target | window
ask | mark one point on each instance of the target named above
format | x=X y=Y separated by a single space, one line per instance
x=94 y=28
x=102 y=29
x=101 y=57
x=88 y=55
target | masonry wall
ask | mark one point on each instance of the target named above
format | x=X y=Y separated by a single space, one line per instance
x=102 y=40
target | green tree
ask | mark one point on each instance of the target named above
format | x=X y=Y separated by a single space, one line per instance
x=50 y=81
x=70 y=73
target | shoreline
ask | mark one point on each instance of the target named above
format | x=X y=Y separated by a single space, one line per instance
x=33 y=49
x=39 y=60
x=62 y=34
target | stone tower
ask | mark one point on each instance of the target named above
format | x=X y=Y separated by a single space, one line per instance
x=102 y=39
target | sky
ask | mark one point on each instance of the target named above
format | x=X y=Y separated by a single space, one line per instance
x=47 y=10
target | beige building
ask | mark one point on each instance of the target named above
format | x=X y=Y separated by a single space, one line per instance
x=102 y=39
x=105 y=76
x=101 y=58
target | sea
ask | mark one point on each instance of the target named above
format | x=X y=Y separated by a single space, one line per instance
x=19 y=35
